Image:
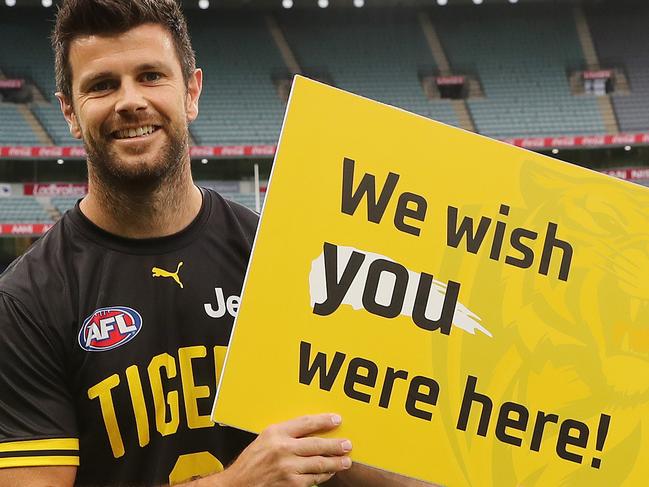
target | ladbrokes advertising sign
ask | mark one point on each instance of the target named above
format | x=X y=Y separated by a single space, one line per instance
x=478 y=314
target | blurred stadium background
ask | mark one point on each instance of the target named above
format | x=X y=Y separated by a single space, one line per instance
x=566 y=78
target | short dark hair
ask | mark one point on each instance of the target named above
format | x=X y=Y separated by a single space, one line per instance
x=87 y=17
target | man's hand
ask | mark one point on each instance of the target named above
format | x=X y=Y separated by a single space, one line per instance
x=286 y=454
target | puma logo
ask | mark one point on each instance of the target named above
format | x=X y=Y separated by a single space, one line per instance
x=157 y=272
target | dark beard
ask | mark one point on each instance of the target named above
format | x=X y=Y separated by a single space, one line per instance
x=115 y=176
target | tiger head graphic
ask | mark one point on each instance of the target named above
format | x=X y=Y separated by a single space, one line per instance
x=579 y=347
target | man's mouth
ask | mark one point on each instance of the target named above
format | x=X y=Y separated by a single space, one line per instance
x=130 y=133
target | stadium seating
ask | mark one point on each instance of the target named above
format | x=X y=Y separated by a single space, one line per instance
x=246 y=199
x=239 y=103
x=521 y=56
x=23 y=210
x=622 y=40
x=31 y=58
x=27 y=53
x=375 y=53
x=14 y=128
x=64 y=203
x=50 y=116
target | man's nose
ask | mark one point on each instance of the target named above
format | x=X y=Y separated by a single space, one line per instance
x=130 y=98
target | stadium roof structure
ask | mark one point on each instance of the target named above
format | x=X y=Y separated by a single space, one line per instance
x=277 y=4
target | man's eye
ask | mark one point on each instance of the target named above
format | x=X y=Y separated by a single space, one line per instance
x=151 y=76
x=101 y=86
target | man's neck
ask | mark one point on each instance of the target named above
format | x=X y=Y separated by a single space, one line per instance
x=159 y=212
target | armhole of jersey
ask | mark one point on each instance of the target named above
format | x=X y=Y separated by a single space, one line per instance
x=37 y=453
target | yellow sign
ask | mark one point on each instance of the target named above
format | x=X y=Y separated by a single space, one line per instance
x=478 y=314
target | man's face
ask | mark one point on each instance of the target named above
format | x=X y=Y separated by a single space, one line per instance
x=130 y=104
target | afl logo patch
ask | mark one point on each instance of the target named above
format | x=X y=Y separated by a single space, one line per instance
x=109 y=328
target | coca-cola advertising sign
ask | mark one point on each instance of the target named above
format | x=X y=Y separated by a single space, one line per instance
x=226 y=151
x=78 y=152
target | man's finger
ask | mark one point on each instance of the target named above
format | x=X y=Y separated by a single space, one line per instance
x=318 y=464
x=313 y=423
x=314 y=446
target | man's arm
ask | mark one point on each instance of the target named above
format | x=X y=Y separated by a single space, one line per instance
x=283 y=455
x=286 y=455
x=38 y=476
x=364 y=476
x=38 y=425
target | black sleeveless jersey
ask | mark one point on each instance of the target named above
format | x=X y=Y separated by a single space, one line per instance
x=110 y=348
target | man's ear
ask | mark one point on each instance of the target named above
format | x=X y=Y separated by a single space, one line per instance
x=70 y=116
x=194 y=87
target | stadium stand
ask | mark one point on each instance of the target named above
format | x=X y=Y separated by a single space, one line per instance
x=375 y=53
x=33 y=60
x=239 y=103
x=30 y=56
x=521 y=56
x=622 y=39
x=14 y=127
x=246 y=199
x=64 y=203
x=23 y=210
x=49 y=114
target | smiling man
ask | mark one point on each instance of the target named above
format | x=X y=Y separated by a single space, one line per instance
x=109 y=359
x=130 y=100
